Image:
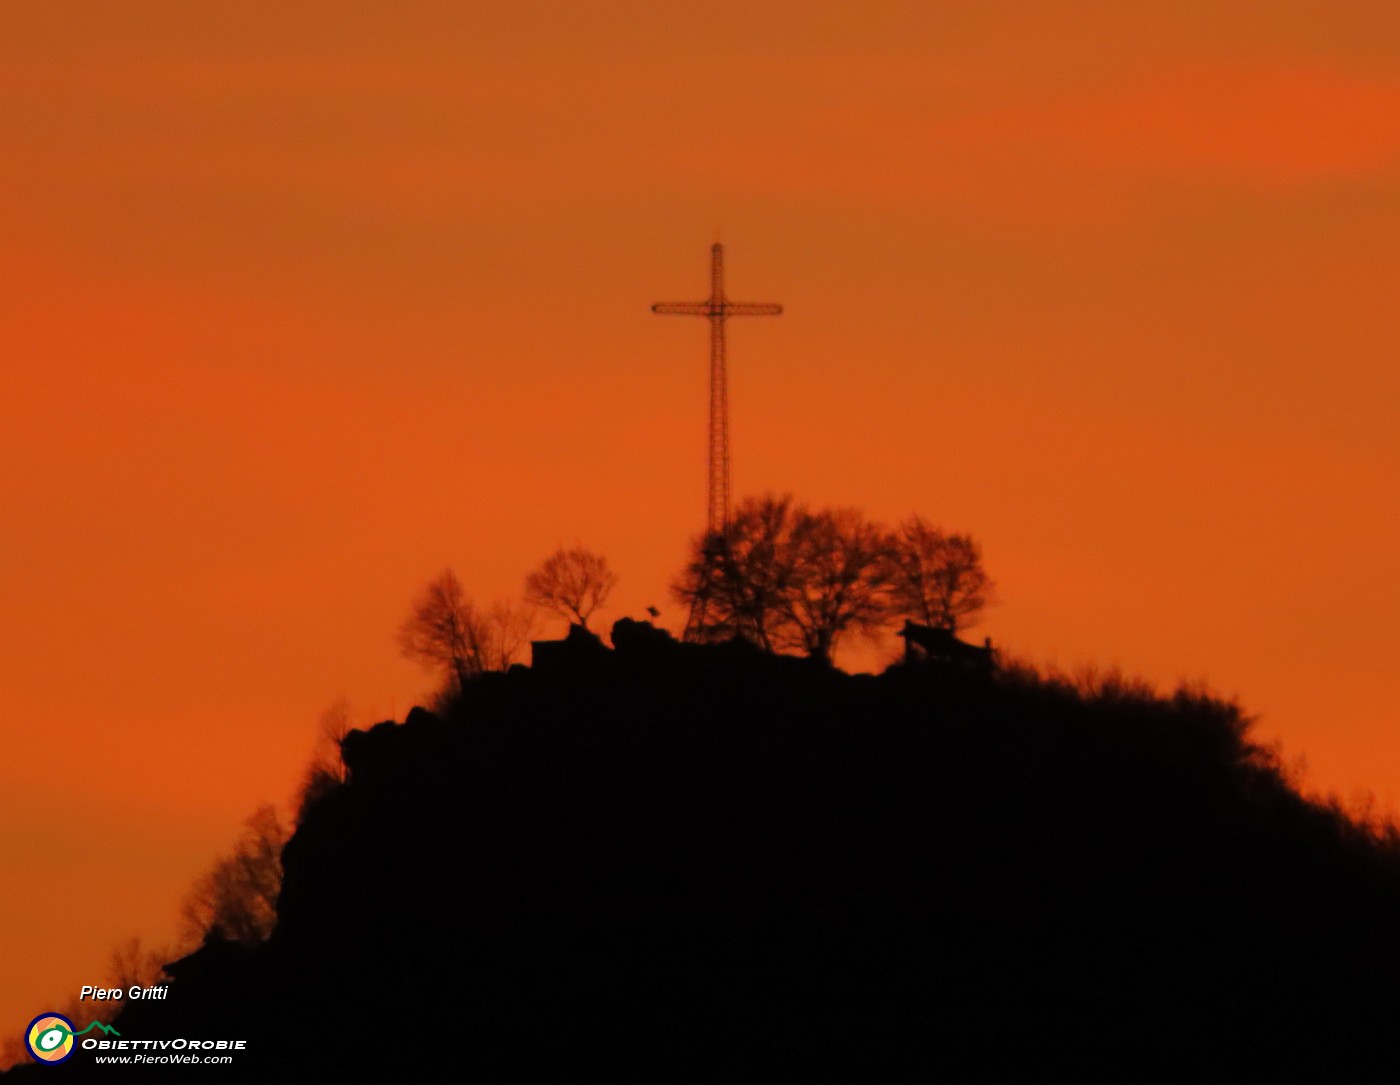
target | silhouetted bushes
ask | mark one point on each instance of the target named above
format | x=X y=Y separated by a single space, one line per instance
x=789 y=578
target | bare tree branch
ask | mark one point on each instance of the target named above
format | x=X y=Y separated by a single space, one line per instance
x=572 y=583
x=787 y=578
x=444 y=629
x=938 y=579
x=238 y=895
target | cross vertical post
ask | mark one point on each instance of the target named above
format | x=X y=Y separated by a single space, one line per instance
x=717 y=309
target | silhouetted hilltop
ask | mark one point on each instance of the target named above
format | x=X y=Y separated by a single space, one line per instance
x=681 y=862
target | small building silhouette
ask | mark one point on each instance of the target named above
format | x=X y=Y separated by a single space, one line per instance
x=927 y=643
x=579 y=647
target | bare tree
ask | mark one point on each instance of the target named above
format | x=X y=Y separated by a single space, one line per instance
x=331 y=730
x=787 y=578
x=506 y=630
x=444 y=629
x=736 y=582
x=841 y=581
x=938 y=579
x=326 y=771
x=572 y=583
x=238 y=896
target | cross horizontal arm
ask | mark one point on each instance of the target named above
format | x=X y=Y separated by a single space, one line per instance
x=752 y=308
x=724 y=308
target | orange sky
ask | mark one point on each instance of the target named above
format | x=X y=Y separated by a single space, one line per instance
x=302 y=302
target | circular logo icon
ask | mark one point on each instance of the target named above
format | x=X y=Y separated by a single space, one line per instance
x=50 y=1037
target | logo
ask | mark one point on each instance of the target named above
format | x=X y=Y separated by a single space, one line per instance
x=50 y=1036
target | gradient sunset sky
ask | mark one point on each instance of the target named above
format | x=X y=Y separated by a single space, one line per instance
x=303 y=302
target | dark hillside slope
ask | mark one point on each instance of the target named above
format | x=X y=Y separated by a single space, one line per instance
x=678 y=862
